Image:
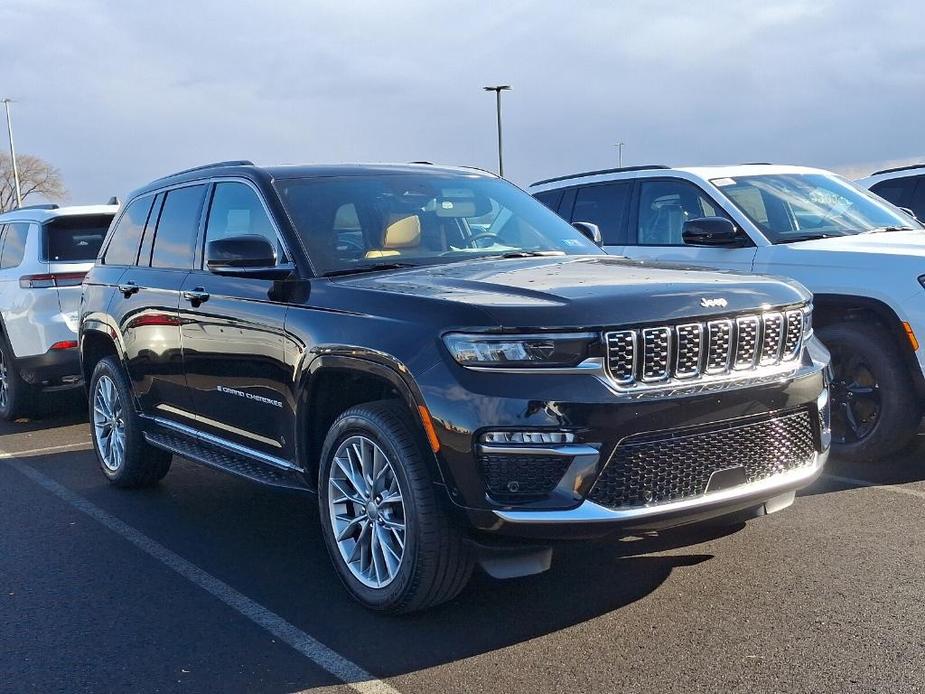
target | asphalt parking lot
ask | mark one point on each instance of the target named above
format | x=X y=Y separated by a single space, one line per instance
x=207 y=583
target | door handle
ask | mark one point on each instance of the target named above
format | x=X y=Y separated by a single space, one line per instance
x=196 y=296
x=128 y=288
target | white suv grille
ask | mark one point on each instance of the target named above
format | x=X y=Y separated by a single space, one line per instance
x=689 y=351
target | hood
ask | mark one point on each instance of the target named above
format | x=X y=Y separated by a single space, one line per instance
x=582 y=291
x=905 y=243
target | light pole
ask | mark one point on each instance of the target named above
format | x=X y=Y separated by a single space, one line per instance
x=619 y=147
x=9 y=129
x=497 y=90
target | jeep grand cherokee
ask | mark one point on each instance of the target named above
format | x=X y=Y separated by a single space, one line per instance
x=456 y=373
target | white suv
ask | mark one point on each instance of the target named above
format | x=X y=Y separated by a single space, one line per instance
x=45 y=251
x=863 y=258
x=904 y=186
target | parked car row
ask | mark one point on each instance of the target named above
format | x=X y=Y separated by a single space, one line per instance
x=459 y=376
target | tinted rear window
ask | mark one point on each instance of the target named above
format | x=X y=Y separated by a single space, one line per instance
x=123 y=248
x=175 y=239
x=75 y=238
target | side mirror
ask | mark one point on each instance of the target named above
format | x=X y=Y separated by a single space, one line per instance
x=248 y=255
x=711 y=231
x=592 y=231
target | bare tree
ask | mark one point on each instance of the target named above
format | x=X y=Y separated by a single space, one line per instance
x=37 y=178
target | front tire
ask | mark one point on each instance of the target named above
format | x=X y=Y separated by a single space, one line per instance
x=124 y=456
x=875 y=411
x=391 y=543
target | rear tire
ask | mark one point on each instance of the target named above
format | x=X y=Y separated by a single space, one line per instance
x=875 y=411
x=423 y=564
x=124 y=456
x=17 y=398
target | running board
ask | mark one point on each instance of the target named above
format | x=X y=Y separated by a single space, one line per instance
x=220 y=458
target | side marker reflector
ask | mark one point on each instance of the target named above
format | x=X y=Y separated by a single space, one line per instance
x=912 y=338
x=429 y=429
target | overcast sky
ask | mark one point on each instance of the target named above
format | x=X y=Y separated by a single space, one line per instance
x=117 y=93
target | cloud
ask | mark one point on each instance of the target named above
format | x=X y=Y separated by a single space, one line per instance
x=121 y=92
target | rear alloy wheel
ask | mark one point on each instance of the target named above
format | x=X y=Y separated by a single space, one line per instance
x=875 y=412
x=17 y=397
x=125 y=457
x=389 y=538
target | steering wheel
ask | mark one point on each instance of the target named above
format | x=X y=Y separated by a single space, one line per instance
x=484 y=235
x=351 y=245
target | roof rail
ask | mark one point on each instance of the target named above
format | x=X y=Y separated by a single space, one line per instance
x=909 y=167
x=620 y=169
x=756 y=163
x=43 y=206
x=214 y=165
x=421 y=162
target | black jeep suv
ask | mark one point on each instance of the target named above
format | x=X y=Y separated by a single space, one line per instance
x=456 y=373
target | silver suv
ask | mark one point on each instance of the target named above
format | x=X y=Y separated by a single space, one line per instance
x=45 y=251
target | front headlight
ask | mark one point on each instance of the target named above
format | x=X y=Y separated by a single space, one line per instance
x=538 y=351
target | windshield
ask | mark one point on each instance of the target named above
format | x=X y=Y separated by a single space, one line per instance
x=355 y=223
x=796 y=207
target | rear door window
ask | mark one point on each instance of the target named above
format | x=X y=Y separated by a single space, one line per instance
x=917 y=204
x=14 y=244
x=175 y=238
x=550 y=198
x=75 y=238
x=605 y=205
x=898 y=191
x=123 y=247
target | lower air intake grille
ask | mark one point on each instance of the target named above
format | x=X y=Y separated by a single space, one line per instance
x=519 y=476
x=670 y=466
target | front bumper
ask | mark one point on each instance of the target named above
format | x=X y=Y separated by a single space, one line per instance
x=601 y=423
x=592 y=519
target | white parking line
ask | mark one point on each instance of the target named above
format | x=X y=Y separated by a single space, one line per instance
x=345 y=670
x=86 y=445
x=867 y=483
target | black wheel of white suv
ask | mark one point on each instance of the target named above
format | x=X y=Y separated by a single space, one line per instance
x=17 y=398
x=124 y=456
x=875 y=411
x=390 y=541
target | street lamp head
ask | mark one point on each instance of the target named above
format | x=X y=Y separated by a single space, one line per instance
x=498 y=88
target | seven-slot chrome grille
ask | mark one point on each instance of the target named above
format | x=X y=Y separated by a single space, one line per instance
x=687 y=351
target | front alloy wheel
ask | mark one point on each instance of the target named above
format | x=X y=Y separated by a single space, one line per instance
x=855 y=399
x=108 y=424
x=388 y=534
x=367 y=511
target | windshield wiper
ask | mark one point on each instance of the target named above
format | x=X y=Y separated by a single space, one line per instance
x=808 y=237
x=528 y=254
x=880 y=230
x=367 y=268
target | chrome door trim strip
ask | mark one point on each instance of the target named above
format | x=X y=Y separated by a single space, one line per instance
x=225 y=443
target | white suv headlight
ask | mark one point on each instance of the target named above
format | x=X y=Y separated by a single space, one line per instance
x=540 y=350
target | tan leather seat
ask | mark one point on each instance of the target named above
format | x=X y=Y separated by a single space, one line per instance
x=402 y=232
